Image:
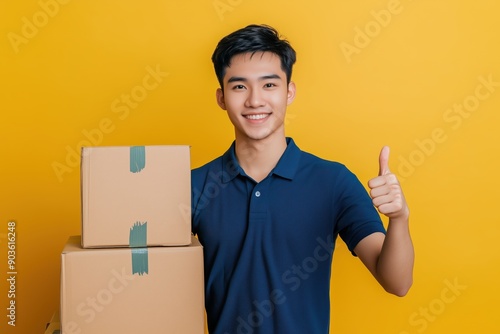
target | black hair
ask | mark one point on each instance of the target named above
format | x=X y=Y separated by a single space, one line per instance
x=251 y=39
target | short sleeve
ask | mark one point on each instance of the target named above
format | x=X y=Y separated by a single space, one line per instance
x=357 y=217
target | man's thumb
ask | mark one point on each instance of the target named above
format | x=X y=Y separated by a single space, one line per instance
x=383 y=161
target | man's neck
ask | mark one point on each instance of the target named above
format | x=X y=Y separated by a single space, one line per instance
x=259 y=157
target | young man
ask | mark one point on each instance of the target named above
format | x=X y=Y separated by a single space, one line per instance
x=268 y=214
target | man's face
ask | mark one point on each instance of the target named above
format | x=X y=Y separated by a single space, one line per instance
x=256 y=95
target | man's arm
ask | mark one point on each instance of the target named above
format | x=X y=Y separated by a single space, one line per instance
x=389 y=257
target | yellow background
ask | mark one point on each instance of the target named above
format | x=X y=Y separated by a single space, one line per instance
x=395 y=85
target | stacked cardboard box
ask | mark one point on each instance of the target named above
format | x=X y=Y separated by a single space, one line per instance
x=136 y=267
x=54 y=326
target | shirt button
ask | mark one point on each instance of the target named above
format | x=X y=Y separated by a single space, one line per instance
x=257 y=193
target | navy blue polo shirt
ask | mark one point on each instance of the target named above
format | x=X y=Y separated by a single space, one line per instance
x=268 y=246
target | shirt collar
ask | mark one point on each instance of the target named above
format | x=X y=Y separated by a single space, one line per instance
x=286 y=168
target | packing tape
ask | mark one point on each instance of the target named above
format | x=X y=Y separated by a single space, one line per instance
x=138 y=244
x=137 y=158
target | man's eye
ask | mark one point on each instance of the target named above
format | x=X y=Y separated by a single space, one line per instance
x=269 y=85
x=239 y=87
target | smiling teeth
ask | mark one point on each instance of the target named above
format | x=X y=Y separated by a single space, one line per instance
x=261 y=116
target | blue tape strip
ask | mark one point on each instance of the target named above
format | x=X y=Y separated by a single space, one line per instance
x=137 y=158
x=138 y=235
x=138 y=243
x=140 y=261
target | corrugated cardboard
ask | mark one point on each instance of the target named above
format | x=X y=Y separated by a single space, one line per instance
x=54 y=326
x=118 y=193
x=100 y=295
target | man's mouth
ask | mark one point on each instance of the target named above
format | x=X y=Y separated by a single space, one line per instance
x=256 y=116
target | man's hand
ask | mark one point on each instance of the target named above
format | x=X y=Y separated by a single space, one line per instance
x=389 y=257
x=386 y=192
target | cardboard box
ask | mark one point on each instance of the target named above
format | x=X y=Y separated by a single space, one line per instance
x=54 y=326
x=138 y=194
x=160 y=290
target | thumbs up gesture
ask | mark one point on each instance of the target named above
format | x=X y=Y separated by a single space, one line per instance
x=385 y=190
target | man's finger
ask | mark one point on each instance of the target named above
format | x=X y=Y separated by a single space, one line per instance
x=384 y=161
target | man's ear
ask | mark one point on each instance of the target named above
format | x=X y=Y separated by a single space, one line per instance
x=219 y=94
x=291 y=92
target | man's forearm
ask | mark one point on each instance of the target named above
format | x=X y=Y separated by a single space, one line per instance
x=395 y=263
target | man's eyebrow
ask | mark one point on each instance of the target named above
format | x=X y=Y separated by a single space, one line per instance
x=270 y=76
x=234 y=79
x=264 y=77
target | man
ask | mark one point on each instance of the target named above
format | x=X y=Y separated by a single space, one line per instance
x=268 y=214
